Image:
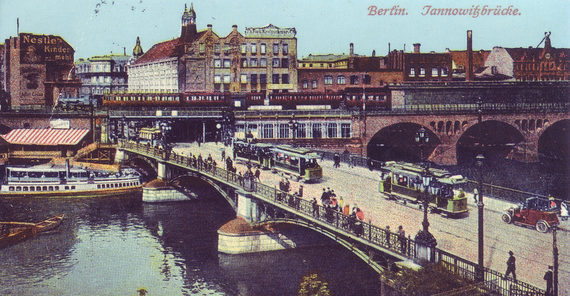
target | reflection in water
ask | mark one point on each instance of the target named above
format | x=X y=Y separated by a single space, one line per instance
x=119 y=246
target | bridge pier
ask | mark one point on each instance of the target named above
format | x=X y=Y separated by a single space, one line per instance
x=162 y=172
x=120 y=156
x=247 y=207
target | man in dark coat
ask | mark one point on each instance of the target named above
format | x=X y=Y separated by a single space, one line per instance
x=511 y=266
x=548 y=277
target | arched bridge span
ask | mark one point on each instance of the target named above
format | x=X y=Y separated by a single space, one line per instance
x=256 y=200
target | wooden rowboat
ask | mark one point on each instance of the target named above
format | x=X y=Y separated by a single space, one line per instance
x=49 y=224
x=14 y=232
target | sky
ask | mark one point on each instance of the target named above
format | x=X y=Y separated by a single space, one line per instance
x=99 y=27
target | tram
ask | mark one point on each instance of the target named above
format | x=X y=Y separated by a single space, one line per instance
x=258 y=154
x=404 y=182
x=300 y=163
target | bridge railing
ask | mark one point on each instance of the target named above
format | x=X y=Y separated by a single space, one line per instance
x=346 y=224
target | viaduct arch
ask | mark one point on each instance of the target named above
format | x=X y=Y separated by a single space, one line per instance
x=393 y=135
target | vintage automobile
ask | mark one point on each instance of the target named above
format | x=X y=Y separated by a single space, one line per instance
x=540 y=213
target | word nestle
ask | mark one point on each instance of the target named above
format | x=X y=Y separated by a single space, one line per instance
x=474 y=11
x=395 y=10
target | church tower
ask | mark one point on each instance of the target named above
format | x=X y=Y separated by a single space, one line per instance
x=189 y=32
x=137 y=50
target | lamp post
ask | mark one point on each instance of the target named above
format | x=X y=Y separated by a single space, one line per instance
x=293 y=125
x=426 y=242
x=555 y=258
x=480 y=158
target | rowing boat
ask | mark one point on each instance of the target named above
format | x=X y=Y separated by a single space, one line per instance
x=14 y=232
x=49 y=224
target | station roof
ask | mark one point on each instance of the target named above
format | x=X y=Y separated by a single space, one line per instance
x=46 y=136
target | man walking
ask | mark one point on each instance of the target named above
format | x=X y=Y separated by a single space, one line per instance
x=549 y=280
x=511 y=266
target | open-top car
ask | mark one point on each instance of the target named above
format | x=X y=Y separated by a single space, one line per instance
x=540 y=213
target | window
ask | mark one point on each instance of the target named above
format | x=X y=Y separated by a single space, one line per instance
x=345 y=130
x=317 y=133
x=263 y=78
x=217 y=79
x=227 y=63
x=243 y=78
x=244 y=63
x=217 y=63
x=275 y=79
x=253 y=63
x=263 y=62
x=315 y=84
x=268 y=131
x=226 y=78
x=275 y=63
x=341 y=79
x=422 y=72
x=217 y=48
x=444 y=71
x=262 y=48
x=354 y=79
x=275 y=49
x=332 y=130
x=366 y=79
x=284 y=131
x=412 y=72
x=328 y=80
x=434 y=72
x=305 y=84
x=285 y=63
x=301 y=130
x=285 y=49
x=285 y=78
x=253 y=48
x=253 y=78
x=243 y=48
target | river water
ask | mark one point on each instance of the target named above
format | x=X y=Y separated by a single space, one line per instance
x=120 y=245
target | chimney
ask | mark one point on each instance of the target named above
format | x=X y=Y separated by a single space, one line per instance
x=209 y=27
x=417 y=47
x=234 y=28
x=351 y=49
x=469 y=73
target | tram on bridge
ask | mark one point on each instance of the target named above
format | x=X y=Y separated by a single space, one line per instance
x=404 y=182
x=297 y=163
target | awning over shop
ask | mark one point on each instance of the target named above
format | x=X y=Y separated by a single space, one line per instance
x=46 y=136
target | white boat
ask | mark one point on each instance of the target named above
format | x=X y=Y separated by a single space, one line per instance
x=65 y=181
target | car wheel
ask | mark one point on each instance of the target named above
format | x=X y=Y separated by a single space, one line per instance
x=507 y=218
x=542 y=226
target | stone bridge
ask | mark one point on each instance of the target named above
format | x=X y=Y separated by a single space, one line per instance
x=260 y=203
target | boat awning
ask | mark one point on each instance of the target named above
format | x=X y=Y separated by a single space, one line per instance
x=46 y=136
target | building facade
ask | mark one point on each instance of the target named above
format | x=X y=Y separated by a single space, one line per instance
x=37 y=70
x=262 y=60
x=337 y=72
x=103 y=74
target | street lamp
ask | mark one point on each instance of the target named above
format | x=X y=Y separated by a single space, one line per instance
x=480 y=158
x=555 y=257
x=426 y=242
x=293 y=125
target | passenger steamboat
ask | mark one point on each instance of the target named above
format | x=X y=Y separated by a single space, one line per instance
x=67 y=181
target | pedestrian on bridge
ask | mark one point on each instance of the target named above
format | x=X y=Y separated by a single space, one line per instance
x=548 y=277
x=223 y=155
x=511 y=266
x=475 y=194
x=402 y=238
x=315 y=207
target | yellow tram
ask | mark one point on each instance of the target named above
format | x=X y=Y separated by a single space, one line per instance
x=300 y=163
x=403 y=181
